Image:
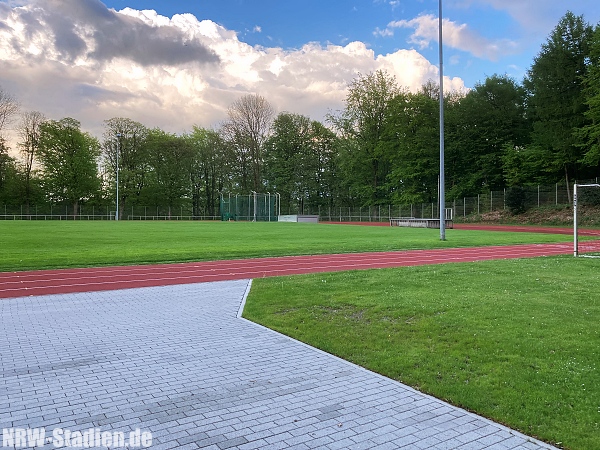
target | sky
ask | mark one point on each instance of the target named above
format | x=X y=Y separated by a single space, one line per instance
x=178 y=64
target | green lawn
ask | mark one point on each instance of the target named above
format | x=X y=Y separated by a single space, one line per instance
x=41 y=245
x=517 y=341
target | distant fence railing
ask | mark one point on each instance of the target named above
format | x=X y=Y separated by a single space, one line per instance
x=537 y=196
x=85 y=212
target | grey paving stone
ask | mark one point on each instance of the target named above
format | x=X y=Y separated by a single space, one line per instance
x=179 y=362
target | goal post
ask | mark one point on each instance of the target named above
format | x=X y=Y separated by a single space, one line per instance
x=584 y=194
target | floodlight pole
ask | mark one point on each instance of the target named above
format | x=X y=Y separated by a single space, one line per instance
x=442 y=194
x=117 y=211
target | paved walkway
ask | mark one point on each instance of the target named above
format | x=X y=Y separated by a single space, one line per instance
x=176 y=361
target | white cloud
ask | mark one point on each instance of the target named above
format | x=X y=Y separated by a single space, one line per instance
x=195 y=70
x=458 y=36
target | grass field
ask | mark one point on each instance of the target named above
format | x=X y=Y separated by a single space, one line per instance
x=517 y=341
x=28 y=245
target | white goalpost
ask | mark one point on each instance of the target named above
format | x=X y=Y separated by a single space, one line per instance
x=587 y=248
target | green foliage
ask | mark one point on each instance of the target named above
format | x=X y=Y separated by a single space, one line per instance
x=299 y=161
x=589 y=135
x=169 y=158
x=212 y=161
x=127 y=138
x=557 y=101
x=9 y=177
x=361 y=125
x=488 y=118
x=411 y=138
x=589 y=196
x=69 y=159
x=528 y=165
x=516 y=199
x=516 y=341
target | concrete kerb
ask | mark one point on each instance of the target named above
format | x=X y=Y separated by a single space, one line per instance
x=375 y=374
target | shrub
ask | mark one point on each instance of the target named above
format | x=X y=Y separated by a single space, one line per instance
x=516 y=199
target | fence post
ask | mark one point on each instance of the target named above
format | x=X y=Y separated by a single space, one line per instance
x=491 y=201
x=478 y=210
x=538 y=195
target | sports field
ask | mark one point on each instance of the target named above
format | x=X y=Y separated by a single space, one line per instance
x=31 y=245
x=516 y=341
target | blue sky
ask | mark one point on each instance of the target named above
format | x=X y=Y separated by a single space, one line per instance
x=175 y=64
x=291 y=24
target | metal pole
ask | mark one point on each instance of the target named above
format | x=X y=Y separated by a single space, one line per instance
x=117 y=211
x=442 y=177
x=575 y=246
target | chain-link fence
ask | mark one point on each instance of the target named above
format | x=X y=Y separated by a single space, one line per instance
x=92 y=212
x=266 y=207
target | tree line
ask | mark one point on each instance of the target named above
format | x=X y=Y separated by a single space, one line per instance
x=382 y=148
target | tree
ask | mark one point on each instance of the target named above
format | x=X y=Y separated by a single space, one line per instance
x=556 y=93
x=170 y=158
x=29 y=130
x=128 y=138
x=299 y=162
x=323 y=189
x=361 y=125
x=69 y=160
x=412 y=138
x=527 y=165
x=210 y=170
x=9 y=107
x=482 y=123
x=285 y=157
x=247 y=128
x=589 y=134
x=9 y=177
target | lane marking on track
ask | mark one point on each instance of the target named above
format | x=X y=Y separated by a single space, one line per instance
x=18 y=284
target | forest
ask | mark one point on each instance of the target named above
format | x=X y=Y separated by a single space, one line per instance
x=382 y=148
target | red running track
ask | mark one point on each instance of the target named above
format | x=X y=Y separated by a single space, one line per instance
x=484 y=227
x=63 y=281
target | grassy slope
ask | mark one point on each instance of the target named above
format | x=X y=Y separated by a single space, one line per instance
x=40 y=245
x=517 y=341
